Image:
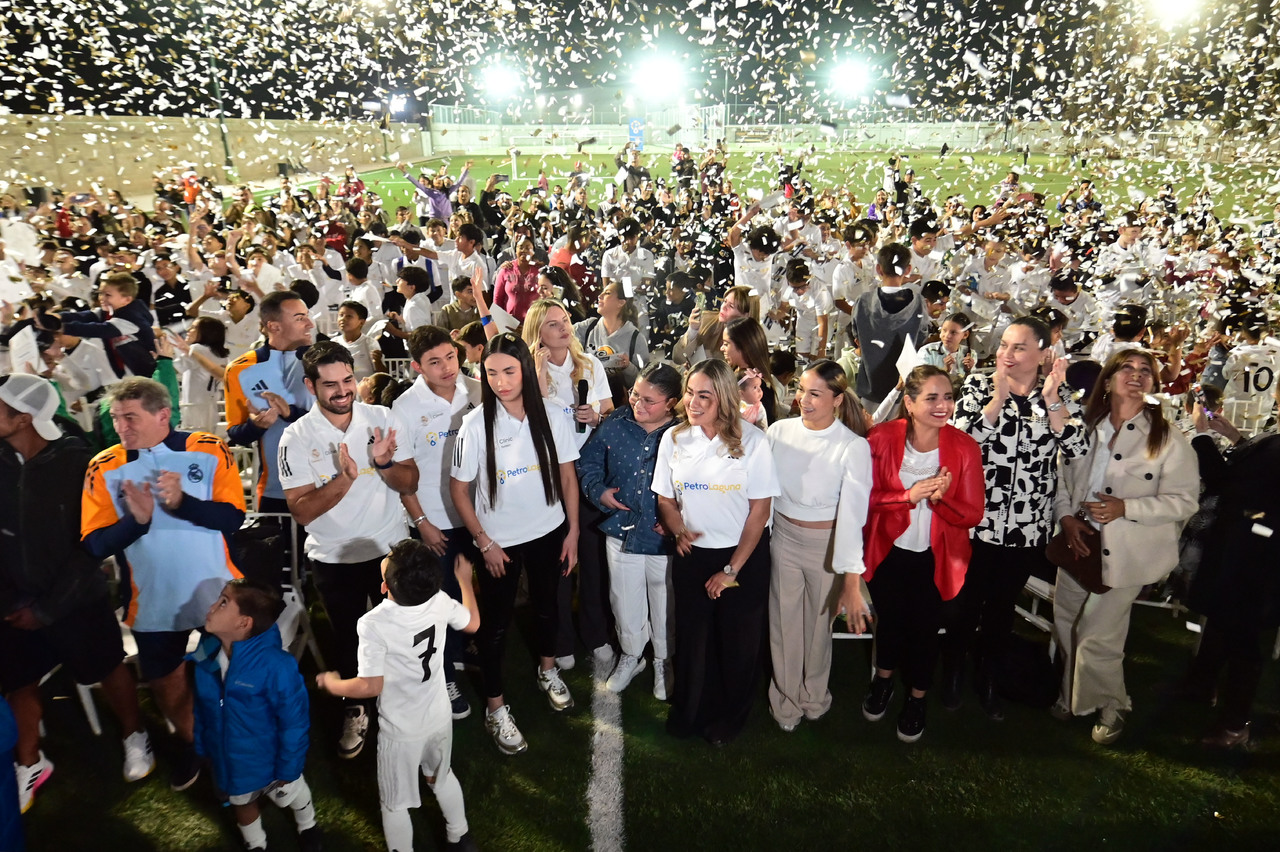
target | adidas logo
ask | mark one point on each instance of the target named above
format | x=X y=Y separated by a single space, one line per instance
x=260 y=386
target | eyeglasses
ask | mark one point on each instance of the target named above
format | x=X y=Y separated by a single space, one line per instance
x=636 y=399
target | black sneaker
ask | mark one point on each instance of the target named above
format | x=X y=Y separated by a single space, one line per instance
x=911 y=719
x=462 y=844
x=457 y=704
x=879 y=694
x=309 y=840
x=186 y=770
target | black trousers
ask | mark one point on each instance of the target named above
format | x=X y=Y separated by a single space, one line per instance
x=595 y=615
x=982 y=618
x=540 y=558
x=348 y=591
x=909 y=613
x=719 y=644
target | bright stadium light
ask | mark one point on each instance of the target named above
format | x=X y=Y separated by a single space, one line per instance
x=501 y=82
x=1172 y=13
x=659 y=77
x=398 y=104
x=850 y=79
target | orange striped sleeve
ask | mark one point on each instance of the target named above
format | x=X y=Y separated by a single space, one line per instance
x=97 y=510
x=237 y=402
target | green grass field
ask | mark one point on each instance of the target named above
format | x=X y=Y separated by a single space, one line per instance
x=1027 y=783
x=1239 y=190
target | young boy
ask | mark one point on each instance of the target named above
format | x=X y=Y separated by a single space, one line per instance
x=123 y=323
x=251 y=710
x=399 y=663
x=352 y=316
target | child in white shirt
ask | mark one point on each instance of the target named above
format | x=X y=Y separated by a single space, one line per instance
x=400 y=663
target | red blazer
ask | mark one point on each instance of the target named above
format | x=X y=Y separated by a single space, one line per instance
x=953 y=516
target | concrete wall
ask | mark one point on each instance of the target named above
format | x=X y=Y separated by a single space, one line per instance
x=124 y=152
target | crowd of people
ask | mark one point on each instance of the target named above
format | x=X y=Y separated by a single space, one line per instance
x=692 y=428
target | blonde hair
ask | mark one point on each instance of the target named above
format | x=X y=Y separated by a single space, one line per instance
x=728 y=402
x=531 y=333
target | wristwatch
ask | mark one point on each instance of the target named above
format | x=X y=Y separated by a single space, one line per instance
x=1057 y=406
x=732 y=574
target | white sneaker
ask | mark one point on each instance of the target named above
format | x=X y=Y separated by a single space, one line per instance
x=566 y=663
x=628 y=667
x=1109 y=727
x=355 y=727
x=30 y=779
x=502 y=727
x=604 y=658
x=138 y=759
x=659 y=679
x=557 y=693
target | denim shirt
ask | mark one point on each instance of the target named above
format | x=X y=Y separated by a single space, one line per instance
x=620 y=454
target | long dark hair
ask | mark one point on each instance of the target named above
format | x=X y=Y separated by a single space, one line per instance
x=748 y=335
x=1099 y=404
x=911 y=387
x=213 y=334
x=534 y=411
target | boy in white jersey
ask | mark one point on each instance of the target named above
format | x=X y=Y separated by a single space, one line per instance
x=400 y=664
x=1250 y=376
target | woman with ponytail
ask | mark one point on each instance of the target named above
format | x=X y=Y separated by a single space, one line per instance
x=824 y=470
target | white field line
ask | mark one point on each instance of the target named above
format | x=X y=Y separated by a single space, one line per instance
x=604 y=791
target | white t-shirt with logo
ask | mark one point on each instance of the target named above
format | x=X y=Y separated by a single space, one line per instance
x=564 y=392
x=520 y=512
x=404 y=645
x=432 y=424
x=712 y=489
x=369 y=518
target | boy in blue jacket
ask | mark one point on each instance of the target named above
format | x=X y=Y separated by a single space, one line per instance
x=251 y=711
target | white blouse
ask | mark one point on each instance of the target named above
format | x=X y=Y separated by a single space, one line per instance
x=915 y=467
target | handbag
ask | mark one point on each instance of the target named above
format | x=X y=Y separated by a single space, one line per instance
x=1085 y=570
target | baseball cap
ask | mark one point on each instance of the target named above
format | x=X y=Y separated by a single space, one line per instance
x=35 y=396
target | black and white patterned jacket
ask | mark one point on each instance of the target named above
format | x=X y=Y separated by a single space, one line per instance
x=1019 y=459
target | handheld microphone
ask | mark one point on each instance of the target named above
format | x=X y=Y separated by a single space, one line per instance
x=583 y=387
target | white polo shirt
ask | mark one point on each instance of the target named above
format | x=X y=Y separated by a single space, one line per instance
x=432 y=425
x=369 y=518
x=712 y=489
x=521 y=512
x=749 y=272
x=564 y=393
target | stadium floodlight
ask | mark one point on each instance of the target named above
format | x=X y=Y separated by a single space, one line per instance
x=1172 y=13
x=576 y=100
x=398 y=104
x=850 y=79
x=501 y=82
x=659 y=77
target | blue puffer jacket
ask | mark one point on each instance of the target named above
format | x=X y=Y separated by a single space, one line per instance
x=256 y=730
x=620 y=454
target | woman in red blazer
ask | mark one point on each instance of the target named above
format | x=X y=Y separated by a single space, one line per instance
x=926 y=495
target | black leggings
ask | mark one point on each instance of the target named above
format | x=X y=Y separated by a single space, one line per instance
x=908 y=616
x=541 y=559
x=719 y=644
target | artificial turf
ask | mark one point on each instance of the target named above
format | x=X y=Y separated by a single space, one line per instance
x=1240 y=189
x=1029 y=782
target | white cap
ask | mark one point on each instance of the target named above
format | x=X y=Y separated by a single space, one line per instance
x=35 y=396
